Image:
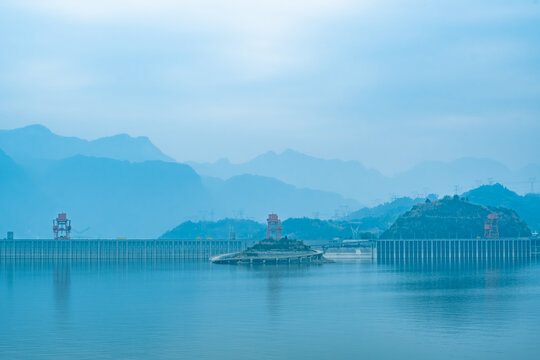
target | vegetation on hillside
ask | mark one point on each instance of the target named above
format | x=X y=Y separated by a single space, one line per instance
x=379 y=218
x=527 y=207
x=367 y=223
x=284 y=244
x=242 y=229
x=317 y=229
x=454 y=217
x=298 y=228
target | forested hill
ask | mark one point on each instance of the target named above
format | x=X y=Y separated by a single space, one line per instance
x=221 y=229
x=106 y=197
x=454 y=217
x=296 y=228
x=527 y=206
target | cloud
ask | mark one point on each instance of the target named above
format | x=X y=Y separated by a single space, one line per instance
x=362 y=78
x=263 y=37
x=47 y=75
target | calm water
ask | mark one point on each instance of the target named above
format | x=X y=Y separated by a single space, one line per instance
x=190 y=310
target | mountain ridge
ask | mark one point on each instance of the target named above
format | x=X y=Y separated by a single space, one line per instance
x=368 y=186
x=111 y=198
x=454 y=217
x=38 y=142
x=497 y=195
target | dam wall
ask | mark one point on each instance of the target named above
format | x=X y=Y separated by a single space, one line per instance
x=117 y=249
x=454 y=250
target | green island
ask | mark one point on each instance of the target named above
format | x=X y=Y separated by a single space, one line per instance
x=284 y=250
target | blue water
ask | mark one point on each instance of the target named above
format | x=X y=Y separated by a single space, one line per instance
x=198 y=310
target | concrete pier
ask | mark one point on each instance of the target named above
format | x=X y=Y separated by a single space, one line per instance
x=117 y=249
x=453 y=250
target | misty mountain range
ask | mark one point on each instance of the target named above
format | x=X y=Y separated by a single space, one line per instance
x=518 y=215
x=368 y=186
x=37 y=142
x=126 y=187
x=109 y=197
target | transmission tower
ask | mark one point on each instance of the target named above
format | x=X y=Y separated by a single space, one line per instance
x=62 y=227
x=355 y=232
x=274 y=227
x=491 y=228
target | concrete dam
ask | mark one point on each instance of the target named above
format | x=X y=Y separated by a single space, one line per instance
x=117 y=249
x=384 y=250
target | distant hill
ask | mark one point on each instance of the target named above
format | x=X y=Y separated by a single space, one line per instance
x=379 y=218
x=113 y=198
x=528 y=206
x=453 y=217
x=38 y=142
x=243 y=229
x=317 y=229
x=103 y=197
x=376 y=220
x=353 y=180
x=295 y=228
x=256 y=196
x=348 y=178
x=442 y=177
x=124 y=186
x=21 y=202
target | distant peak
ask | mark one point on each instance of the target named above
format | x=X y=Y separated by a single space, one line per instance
x=285 y=153
x=266 y=155
x=126 y=137
x=119 y=136
x=35 y=128
x=222 y=161
x=495 y=187
x=291 y=152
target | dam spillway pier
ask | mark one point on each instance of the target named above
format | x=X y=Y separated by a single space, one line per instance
x=116 y=249
x=452 y=250
x=383 y=250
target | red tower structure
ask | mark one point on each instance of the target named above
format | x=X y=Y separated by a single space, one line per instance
x=62 y=227
x=491 y=227
x=274 y=227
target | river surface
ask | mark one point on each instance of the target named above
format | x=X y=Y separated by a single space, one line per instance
x=199 y=310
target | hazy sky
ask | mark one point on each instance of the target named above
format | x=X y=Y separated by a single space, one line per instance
x=388 y=83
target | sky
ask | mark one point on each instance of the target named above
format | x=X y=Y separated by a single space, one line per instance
x=387 y=83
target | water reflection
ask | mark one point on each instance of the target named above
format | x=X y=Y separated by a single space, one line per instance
x=7 y=274
x=61 y=289
x=195 y=309
x=456 y=295
x=275 y=275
